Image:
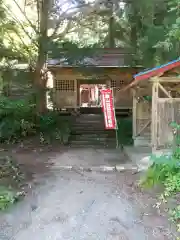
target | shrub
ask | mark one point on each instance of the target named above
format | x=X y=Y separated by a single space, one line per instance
x=10 y=175
x=165 y=170
x=54 y=127
x=163 y=167
x=7 y=197
x=18 y=119
x=124 y=132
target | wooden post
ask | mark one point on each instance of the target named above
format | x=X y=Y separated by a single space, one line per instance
x=154 y=127
x=76 y=94
x=54 y=91
x=134 y=113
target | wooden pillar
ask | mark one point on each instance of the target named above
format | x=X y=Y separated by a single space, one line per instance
x=134 y=109
x=54 y=90
x=154 y=126
x=76 y=93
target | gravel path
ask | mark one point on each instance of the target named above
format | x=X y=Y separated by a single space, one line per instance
x=85 y=206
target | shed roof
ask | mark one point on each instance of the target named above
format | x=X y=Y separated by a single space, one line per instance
x=152 y=73
x=157 y=70
x=102 y=57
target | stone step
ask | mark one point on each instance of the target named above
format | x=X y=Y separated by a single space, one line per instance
x=142 y=141
x=94 y=136
x=91 y=115
x=93 y=131
x=89 y=131
x=87 y=124
x=92 y=119
x=89 y=128
x=71 y=145
x=108 y=140
x=92 y=143
x=76 y=123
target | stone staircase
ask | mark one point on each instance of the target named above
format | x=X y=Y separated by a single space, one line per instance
x=88 y=130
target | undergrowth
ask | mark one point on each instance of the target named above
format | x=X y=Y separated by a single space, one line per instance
x=7 y=197
x=165 y=171
x=124 y=132
x=11 y=178
x=18 y=120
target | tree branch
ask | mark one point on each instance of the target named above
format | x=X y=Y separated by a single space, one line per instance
x=24 y=13
x=22 y=41
x=19 y=22
x=71 y=15
x=55 y=35
x=38 y=14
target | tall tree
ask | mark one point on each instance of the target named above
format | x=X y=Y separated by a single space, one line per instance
x=154 y=30
x=52 y=21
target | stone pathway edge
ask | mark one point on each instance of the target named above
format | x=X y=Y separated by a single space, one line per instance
x=101 y=168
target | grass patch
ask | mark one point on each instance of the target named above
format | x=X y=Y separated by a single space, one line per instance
x=165 y=171
x=11 y=178
x=8 y=197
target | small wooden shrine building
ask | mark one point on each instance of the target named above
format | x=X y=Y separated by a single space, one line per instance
x=110 y=67
x=156 y=104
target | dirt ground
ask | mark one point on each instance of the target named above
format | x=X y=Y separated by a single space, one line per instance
x=34 y=160
x=31 y=156
x=151 y=216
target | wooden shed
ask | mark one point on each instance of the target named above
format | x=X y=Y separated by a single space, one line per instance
x=109 y=67
x=156 y=103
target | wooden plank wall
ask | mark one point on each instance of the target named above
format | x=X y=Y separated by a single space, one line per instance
x=113 y=78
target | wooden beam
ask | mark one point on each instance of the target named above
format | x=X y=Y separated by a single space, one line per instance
x=143 y=128
x=160 y=74
x=174 y=88
x=176 y=70
x=154 y=79
x=166 y=79
x=168 y=100
x=164 y=90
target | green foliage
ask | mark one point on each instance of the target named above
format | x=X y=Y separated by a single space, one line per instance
x=7 y=198
x=10 y=175
x=9 y=167
x=53 y=127
x=125 y=131
x=154 y=30
x=18 y=120
x=172 y=184
x=70 y=52
x=165 y=170
x=162 y=168
x=175 y=217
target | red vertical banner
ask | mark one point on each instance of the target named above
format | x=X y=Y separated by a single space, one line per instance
x=108 y=108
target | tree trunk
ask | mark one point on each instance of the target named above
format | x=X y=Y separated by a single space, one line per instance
x=111 y=29
x=40 y=72
x=111 y=33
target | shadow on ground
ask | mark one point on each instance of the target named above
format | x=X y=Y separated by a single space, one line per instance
x=79 y=205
